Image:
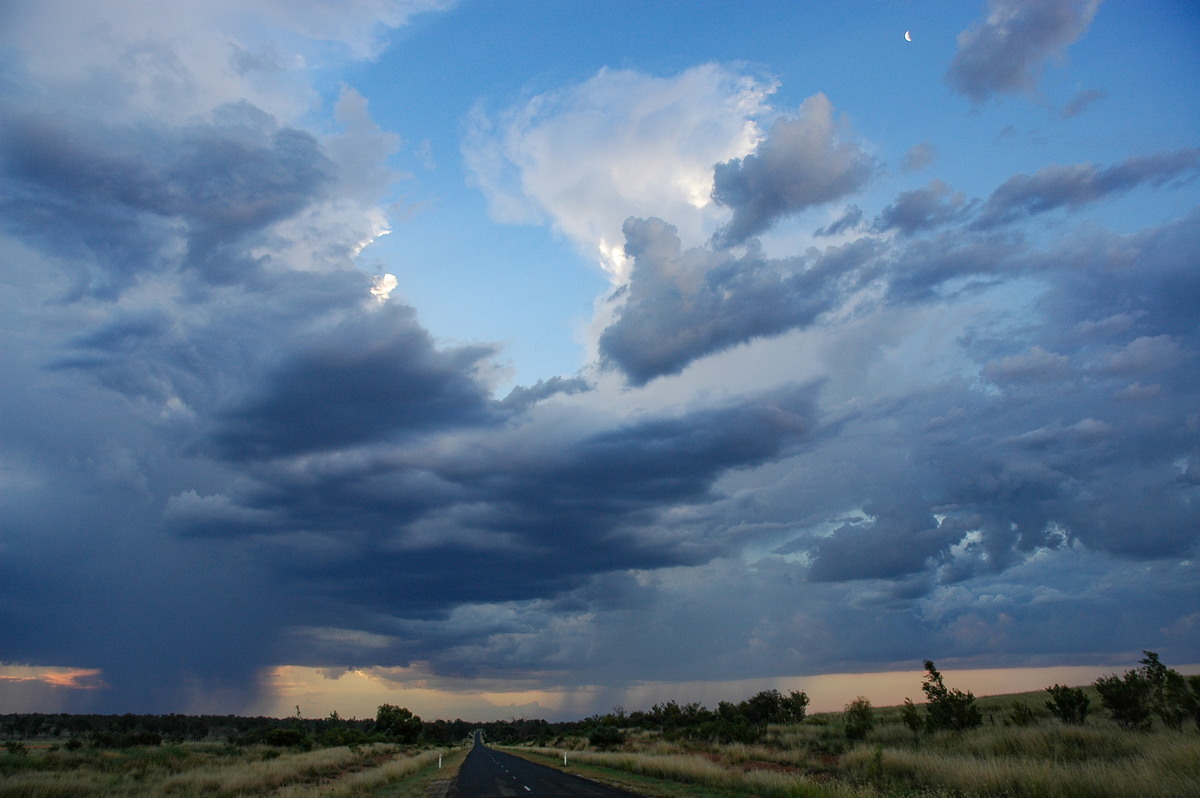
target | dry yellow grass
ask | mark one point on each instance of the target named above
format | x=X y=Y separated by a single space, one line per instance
x=195 y=771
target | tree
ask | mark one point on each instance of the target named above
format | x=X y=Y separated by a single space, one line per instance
x=859 y=718
x=398 y=723
x=1193 y=702
x=794 y=706
x=948 y=708
x=1070 y=705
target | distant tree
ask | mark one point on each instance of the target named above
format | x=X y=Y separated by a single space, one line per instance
x=794 y=706
x=763 y=707
x=859 y=718
x=948 y=708
x=397 y=723
x=1068 y=704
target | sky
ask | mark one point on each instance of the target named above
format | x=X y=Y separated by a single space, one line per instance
x=535 y=358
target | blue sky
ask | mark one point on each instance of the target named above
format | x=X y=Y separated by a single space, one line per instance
x=532 y=358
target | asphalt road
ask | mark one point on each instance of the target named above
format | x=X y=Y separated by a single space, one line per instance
x=488 y=773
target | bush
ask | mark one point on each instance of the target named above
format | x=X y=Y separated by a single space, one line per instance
x=1068 y=704
x=1127 y=699
x=287 y=738
x=859 y=718
x=1019 y=714
x=912 y=717
x=606 y=737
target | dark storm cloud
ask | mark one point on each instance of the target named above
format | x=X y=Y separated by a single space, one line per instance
x=801 y=163
x=375 y=377
x=1005 y=52
x=561 y=511
x=683 y=305
x=933 y=206
x=1076 y=185
x=119 y=198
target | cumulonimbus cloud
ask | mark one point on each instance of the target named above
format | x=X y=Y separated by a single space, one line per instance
x=621 y=143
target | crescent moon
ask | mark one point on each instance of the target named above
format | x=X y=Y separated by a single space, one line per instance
x=907 y=36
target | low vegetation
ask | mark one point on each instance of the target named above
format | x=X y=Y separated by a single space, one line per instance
x=1132 y=734
x=1031 y=745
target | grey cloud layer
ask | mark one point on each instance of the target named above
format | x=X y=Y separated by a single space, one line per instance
x=123 y=196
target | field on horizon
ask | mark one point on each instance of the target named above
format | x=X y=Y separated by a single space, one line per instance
x=1019 y=750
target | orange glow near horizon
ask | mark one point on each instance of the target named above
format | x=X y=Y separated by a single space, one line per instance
x=358 y=693
x=69 y=678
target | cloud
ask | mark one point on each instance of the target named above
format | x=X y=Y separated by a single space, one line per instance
x=409 y=532
x=223 y=454
x=621 y=143
x=850 y=220
x=801 y=163
x=1075 y=185
x=127 y=197
x=919 y=156
x=681 y=305
x=374 y=377
x=924 y=208
x=1005 y=52
x=1035 y=365
x=1081 y=101
x=521 y=397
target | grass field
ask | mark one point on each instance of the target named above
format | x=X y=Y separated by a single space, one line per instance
x=223 y=771
x=1020 y=751
x=1040 y=759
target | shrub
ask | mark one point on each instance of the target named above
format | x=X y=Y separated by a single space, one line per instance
x=912 y=717
x=1068 y=704
x=1019 y=714
x=1127 y=699
x=604 y=736
x=287 y=738
x=859 y=718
